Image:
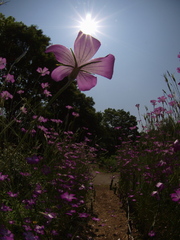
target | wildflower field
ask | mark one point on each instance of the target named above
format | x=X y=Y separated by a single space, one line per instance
x=150 y=168
x=45 y=177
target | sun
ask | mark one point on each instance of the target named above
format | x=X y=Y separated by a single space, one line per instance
x=88 y=25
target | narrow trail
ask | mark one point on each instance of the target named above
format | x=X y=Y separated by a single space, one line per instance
x=110 y=221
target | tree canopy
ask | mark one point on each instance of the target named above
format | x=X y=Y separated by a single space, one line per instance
x=24 y=49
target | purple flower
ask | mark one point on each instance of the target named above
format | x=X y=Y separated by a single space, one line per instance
x=69 y=107
x=3 y=177
x=9 y=78
x=160 y=186
x=47 y=93
x=2 y=63
x=176 y=145
x=78 y=65
x=67 y=196
x=6 y=95
x=44 y=85
x=30 y=236
x=155 y=194
x=162 y=99
x=151 y=233
x=75 y=114
x=20 y=91
x=178 y=69
x=11 y=194
x=6 y=234
x=39 y=229
x=153 y=102
x=32 y=160
x=44 y=71
x=83 y=215
x=5 y=208
x=176 y=196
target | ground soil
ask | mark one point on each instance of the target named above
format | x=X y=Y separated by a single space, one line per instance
x=111 y=222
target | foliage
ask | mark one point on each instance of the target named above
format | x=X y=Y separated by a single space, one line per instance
x=44 y=172
x=149 y=170
x=117 y=125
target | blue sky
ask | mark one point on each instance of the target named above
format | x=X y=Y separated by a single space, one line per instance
x=143 y=35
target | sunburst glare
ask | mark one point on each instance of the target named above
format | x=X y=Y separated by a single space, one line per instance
x=88 y=25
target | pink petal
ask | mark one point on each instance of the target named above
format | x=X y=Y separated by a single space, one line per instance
x=86 y=81
x=62 y=54
x=103 y=66
x=85 y=47
x=60 y=73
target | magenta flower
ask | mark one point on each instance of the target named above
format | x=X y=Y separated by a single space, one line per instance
x=47 y=93
x=67 y=196
x=78 y=64
x=6 y=95
x=2 y=63
x=151 y=233
x=176 y=196
x=9 y=78
x=83 y=215
x=69 y=107
x=44 y=71
x=30 y=236
x=44 y=85
x=176 y=146
x=6 y=234
x=3 y=177
x=11 y=194
x=5 y=208
x=32 y=160
x=153 y=102
x=160 y=186
x=20 y=91
x=75 y=114
x=162 y=99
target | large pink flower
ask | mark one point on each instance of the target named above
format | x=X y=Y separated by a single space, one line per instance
x=78 y=64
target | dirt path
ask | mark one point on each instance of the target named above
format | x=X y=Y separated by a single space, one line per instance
x=110 y=219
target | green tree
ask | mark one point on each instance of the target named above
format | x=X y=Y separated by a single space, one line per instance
x=24 y=48
x=118 y=125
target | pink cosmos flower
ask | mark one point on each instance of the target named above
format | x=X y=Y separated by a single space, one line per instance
x=75 y=114
x=172 y=103
x=162 y=99
x=151 y=233
x=69 y=107
x=9 y=78
x=47 y=93
x=11 y=194
x=176 y=145
x=44 y=71
x=160 y=186
x=6 y=234
x=20 y=91
x=67 y=196
x=2 y=63
x=3 y=177
x=45 y=85
x=6 y=95
x=153 y=102
x=83 y=215
x=176 y=196
x=78 y=64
